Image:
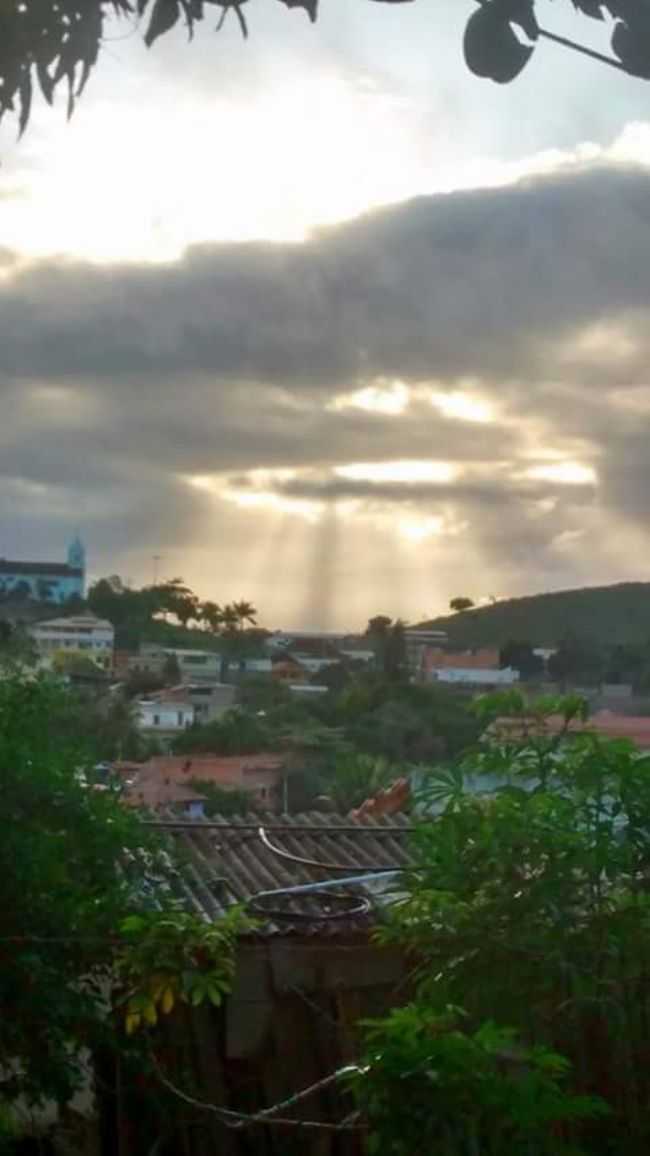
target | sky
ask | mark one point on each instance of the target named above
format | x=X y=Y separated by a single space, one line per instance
x=322 y=321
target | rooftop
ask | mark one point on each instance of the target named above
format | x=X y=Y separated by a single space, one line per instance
x=435 y=659
x=606 y=723
x=77 y=622
x=44 y=569
x=230 y=860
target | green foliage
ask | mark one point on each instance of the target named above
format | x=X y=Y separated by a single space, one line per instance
x=223 y=800
x=459 y=604
x=610 y=615
x=143 y=614
x=235 y=733
x=62 y=892
x=387 y=639
x=578 y=660
x=354 y=778
x=74 y=865
x=430 y=1086
x=528 y=905
x=521 y=656
x=175 y=958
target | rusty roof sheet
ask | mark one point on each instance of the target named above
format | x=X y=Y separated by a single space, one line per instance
x=227 y=862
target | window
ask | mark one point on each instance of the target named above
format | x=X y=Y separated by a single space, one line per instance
x=181 y=718
x=156 y=720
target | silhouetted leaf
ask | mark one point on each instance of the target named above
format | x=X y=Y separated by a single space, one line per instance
x=591 y=8
x=45 y=81
x=164 y=16
x=310 y=6
x=25 y=93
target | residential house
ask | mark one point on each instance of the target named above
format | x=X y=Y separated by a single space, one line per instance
x=165 y=714
x=299 y=639
x=46 y=581
x=167 y=797
x=605 y=723
x=82 y=632
x=303 y=979
x=248 y=667
x=260 y=775
x=196 y=665
x=210 y=700
x=150 y=660
x=470 y=667
x=289 y=670
x=417 y=639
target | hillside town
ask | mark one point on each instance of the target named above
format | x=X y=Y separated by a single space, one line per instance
x=205 y=710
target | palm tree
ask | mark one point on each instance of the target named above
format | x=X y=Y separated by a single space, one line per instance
x=245 y=612
x=212 y=615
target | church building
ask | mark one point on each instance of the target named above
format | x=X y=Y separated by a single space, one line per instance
x=46 y=581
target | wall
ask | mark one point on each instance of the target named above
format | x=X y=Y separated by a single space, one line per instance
x=475 y=677
x=170 y=716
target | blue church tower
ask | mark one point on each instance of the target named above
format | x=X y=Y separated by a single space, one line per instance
x=77 y=561
x=46 y=581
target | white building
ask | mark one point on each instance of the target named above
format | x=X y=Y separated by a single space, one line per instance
x=82 y=632
x=165 y=714
x=416 y=641
x=196 y=665
x=473 y=676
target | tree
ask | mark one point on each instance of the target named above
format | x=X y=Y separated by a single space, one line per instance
x=235 y=733
x=60 y=851
x=460 y=604
x=576 y=660
x=387 y=639
x=527 y=907
x=171 y=671
x=521 y=656
x=223 y=800
x=59 y=43
x=212 y=616
x=355 y=778
x=80 y=947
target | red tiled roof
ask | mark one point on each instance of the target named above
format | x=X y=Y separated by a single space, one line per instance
x=154 y=795
x=389 y=801
x=434 y=658
x=229 y=770
x=608 y=724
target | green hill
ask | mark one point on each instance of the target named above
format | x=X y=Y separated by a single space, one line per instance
x=609 y=614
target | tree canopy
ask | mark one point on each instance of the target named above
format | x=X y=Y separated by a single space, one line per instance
x=58 y=43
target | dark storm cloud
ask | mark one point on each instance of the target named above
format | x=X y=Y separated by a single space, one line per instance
x=120 y=381
x=476 y=282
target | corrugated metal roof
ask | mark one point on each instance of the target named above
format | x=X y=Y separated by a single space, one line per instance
x=227 y=862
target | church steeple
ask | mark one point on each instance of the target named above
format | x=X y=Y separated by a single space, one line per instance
x=77 y=554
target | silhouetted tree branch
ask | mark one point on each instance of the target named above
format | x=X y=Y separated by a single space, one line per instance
x=52 y=42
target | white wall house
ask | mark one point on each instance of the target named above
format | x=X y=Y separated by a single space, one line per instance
x=82 y=632
x=474 y=676
x=157 y=716
x=196 y=665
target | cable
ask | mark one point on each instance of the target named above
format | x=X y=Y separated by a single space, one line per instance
x=235 y=1119
x=320 y=863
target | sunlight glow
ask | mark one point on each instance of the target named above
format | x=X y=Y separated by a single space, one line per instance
x=462 y=406
x=391 y=400
x=257 y=497
x=566 y=473
x=403 y=470
x=269 y=500
x=417 y=530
